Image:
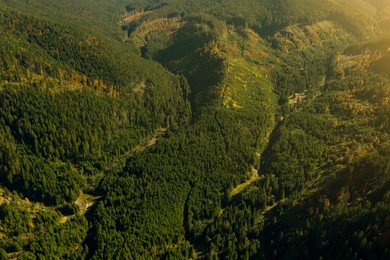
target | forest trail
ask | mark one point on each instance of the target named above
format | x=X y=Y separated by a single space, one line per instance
x=242 y=186
x=86 y=201
x=151 y=140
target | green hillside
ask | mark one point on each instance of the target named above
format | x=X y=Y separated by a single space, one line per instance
x=194 y=129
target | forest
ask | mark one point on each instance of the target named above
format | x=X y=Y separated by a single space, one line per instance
x=189 y=129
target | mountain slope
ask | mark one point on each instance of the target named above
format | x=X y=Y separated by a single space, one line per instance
x=232 y=72
x=288 y=116
x=72 y=102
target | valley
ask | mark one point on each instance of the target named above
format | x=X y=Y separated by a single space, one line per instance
x=194 y=129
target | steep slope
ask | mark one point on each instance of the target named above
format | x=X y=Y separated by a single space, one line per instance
x=343 y=211
x=284 y=126
x=233 y=73
x=72 y=104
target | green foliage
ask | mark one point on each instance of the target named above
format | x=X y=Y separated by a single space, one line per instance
x=62 y=241
x=15 y=221
x=3 y=254
x=40 y=234
x=53 y=115
x=79 y=111
x=185 y=55
x=99 y=17
x=269 y=16
x=296 y=155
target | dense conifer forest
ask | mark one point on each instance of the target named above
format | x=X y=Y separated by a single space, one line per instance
x=188 y=129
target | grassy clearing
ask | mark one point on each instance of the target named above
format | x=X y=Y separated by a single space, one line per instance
x=242 y=186
x=85 y=201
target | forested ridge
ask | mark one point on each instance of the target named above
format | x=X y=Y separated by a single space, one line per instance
x=194 y=129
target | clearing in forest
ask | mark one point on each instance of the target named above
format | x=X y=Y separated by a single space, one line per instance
x=242 y=186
